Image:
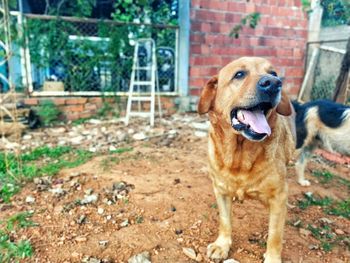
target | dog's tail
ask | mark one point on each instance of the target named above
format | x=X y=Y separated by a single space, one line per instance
x=297 y=106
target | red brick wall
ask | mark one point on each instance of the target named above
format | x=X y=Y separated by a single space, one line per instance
x=74 y=108
x=280 y=37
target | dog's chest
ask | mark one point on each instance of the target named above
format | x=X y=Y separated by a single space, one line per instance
x=238 y=185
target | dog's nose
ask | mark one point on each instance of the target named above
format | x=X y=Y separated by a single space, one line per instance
x=270 y=84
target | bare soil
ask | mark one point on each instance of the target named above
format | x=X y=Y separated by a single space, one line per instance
x=168 y=204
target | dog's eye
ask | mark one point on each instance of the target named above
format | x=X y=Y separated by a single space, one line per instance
x=240 y=75
x=273 y=73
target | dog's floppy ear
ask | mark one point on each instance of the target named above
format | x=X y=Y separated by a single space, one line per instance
x=208 y=95
x=284 y=107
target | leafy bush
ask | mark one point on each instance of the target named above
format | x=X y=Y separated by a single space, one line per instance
x=48 y=112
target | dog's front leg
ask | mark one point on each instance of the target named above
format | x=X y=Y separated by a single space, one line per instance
x=278 y=210
x=220 y=248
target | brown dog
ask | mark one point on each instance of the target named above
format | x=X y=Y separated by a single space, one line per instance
x=250 y=143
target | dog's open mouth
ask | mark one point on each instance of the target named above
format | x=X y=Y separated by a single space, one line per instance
x=252 y=121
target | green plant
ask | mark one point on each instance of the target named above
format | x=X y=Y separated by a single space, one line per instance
x=251 y=19
x=139 y=219
x=80 y=121
x=310 y=200
x=331 y=207
x=324 y=176
x=335 y=12
x=10 y=250
x=18 y=169
x=341 y=208
x=48 y=112
x=325 y=235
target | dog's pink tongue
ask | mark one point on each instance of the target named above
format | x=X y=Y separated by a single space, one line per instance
x=257 y=121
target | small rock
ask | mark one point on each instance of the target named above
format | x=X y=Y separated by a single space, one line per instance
x=89 y=191
x=58 y=192
x=143 y=257
x=339 y=231
x=112 y=148
x=77 y=140
x=200 y=134
x=313 y=247
x=125 y=223
x=139 y=136
x=80 y=239
x=176 y=181
x=58 y=130
x=100 y=210
x=189 y=252
x=180 y=240
x=27 y=137
x=109 y=217
x=75 y=255
x=88 y=199
x=30 y=199
x=178 y=231
x=231 y=260
x=172 y=132
x=94 y=121
x=103 y=243
x=199 y=258
x=304 y=232
x=172 y=208
x=94 y=260
x=81 y=219
x=325 y=220
x=92 y=149
x=204 y=126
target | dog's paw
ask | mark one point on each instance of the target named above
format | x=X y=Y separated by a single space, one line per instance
x=218 y=249
x=304 y=182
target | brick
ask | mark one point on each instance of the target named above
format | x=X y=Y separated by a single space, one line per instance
x=90 y=106
x=72 y=116
x=95 y=100
x=73 y=108
x=59 y=101
x=196 y=82
x=86 y=114
x=31 y=101
x=195 y=92
x=73 y=101
x=236 y=7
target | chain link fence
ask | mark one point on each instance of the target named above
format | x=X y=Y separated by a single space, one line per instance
x=73 y=54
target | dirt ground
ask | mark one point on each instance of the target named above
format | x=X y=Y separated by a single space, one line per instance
x=166 y=204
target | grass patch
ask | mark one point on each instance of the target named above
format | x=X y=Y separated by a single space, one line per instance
x=341 y=208
x=310 y=200
x=330 y=206
x=80 y=121
x=323 y=176
x=10 y=249
x=15 y=170
x=325 y=236
x=106 y=163
x=344 y=182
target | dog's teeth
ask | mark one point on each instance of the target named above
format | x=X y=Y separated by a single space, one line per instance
x=235 y=121
x=240 y=115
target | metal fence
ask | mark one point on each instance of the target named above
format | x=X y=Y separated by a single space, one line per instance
x=322 y=66
x=67 y=54
x=327 y=68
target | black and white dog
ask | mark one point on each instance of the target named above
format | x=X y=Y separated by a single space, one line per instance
x=320 y=124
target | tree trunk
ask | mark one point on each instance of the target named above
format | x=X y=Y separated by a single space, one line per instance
x=340 y=92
